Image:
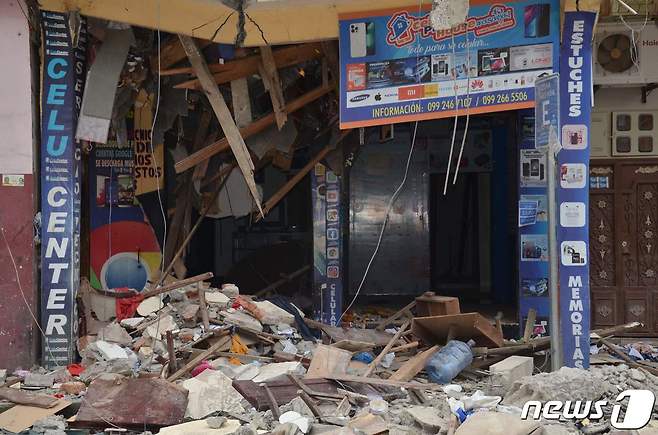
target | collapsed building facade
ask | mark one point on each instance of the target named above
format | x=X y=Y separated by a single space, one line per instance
x=390 y=219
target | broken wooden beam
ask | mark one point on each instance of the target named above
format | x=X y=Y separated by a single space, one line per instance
x=412 y=367
x=274 y=407
x=171 y=351
x=196 y=360
x=382 y=325
x=203 y=307
x=387 y=348
x=248 y=131
x=283 y=280
x=244 y=67
x=231 y=131
x=384 y=382
x=286 y=188
x=172 y=52
x=178 y=284
x=270 y=76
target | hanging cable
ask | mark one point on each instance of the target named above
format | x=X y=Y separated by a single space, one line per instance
x=454 y=127
x=468 y=106
x=386 y=217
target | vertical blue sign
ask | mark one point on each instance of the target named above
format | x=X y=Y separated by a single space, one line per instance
x=327 y=245
x=572 y=188
x=62 y=85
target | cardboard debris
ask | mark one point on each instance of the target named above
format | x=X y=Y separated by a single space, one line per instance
x=22 y=417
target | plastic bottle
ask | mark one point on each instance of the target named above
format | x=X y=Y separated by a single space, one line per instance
x=449 y=361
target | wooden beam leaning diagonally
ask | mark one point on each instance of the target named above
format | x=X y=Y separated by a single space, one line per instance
x=231 y=131
x=283 y=191
x=270 y=76
x=250 y=130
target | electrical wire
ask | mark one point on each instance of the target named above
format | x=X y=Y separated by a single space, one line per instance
x=386 y=217
x=390 y=202
x=468 y=107
x=634 y=51
x=454 y=127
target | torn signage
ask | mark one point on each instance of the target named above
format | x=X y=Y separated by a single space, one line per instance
x=149 y=157
x=395 y=68
x=124 y=251
x=572 y=187
x=62 y=83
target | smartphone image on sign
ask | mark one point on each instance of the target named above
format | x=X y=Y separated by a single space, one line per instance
x=362 y=39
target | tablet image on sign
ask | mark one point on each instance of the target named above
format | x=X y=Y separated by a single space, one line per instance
x=573 y=176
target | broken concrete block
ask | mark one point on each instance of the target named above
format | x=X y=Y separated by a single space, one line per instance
x=426 y=417
x=299 y=406
x=271 y=372
x=73 y=388
x=273 y=315
x=200 y=427
x=38 y=380
x=131 y=322
x=303 y=423
x=156 y=330
x=217 y=298
x=114 y=333
x=230 y=290
x=496 y=423
x=150 y=305
x=511 y=369
x=190 y=312
x=109 y=351
x=211 y=391
x=240 y=318
x=216 y=422
x=3 y=376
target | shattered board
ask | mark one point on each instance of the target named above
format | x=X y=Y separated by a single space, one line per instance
x=133 y=402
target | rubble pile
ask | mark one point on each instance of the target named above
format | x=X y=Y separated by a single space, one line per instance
x=193 y=359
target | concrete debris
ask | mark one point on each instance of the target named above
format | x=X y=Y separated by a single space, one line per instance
x=276 y=371
x=74 y=388
x=211 y=392
x=511 y=369
x=295 y=418
x=217 y=298
x=242 y=319
x=150 y=306
x=115 y=333
x=131 y=322
x=565 y=384
x=38 y=380
x=230 y=290
x=496 y=423
x=156 y=330
x=198 y=427
x=426 y=417
x=273 y=315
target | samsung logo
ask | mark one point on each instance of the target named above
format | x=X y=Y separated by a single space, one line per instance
x=359 y=98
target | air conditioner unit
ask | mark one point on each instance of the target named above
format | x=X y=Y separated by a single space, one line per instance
x=635 y=133
x=618 y=61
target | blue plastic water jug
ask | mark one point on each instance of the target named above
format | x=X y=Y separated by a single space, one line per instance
x=449 y=361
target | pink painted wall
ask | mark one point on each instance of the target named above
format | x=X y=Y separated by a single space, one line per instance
x=18 y=332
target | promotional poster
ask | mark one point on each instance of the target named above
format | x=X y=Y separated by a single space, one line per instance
x=63 y=71
x=533 y=228
x=124 y=251
x=395 y=68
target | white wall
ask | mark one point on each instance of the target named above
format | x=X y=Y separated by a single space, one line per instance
x=619 y=99
x=15 y=91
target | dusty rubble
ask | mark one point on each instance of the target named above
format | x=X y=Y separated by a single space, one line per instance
x=231 y=364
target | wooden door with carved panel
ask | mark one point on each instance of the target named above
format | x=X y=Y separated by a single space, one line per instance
x=624 y=243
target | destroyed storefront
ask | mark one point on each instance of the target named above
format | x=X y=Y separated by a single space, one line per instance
x=345 y=235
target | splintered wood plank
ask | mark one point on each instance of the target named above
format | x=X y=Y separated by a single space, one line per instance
x=248 y=131
x=244 y=67
x=231 y=131
x=172 y=52
x=411 y=368
x=28 y=398
x=327 y=360
x=270 y=76
x=387 y=348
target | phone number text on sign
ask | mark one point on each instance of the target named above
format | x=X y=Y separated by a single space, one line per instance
x=472 y=104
